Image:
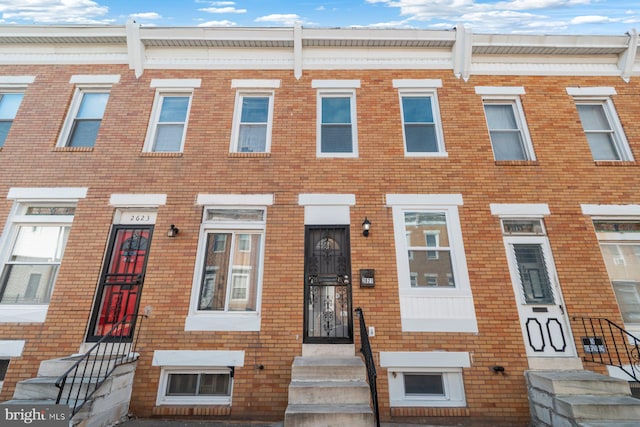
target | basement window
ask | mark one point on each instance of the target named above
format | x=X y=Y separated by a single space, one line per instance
x=208 y=386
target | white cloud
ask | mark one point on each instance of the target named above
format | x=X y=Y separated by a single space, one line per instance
x=279 y=18
x=55 y=11
x=146 y=15
x=320 y=8
x=224 y=23
x=222 y=10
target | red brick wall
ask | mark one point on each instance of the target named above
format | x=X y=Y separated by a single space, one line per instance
x=564 y=176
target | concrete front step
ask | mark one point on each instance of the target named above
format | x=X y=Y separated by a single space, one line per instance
x=598 y=407
x=578 y=383
x=45 y=388
x=317 y=368
x=609 y=423
x=328 y=392
x=328 y=415
x=56 y=367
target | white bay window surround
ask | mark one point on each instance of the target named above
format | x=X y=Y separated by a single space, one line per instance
x=433 y=281
x=227 y=286
x=31 y=249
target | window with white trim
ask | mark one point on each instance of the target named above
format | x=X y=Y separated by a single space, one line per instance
x=9 y=103
x=168 y=124
x=600 y=122
x=84 y=117
x=420 y=113
x=337 y=130
x=252 y=122
x=620 y=246
x=507 y=126
x=195 y=386
x=36 y=242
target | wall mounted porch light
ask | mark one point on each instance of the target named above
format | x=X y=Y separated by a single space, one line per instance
x=366 y=226
x=173 y=231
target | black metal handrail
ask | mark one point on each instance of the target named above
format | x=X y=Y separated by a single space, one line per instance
x=80 y=382
x=365 y=349
x=606 y=343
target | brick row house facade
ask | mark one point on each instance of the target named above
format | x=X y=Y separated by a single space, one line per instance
x=497 y=173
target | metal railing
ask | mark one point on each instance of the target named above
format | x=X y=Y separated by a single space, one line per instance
x=365 y=349
x=606 y=343
x=81 y=381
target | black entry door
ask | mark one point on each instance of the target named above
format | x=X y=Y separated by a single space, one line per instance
x=327 y=292
x=118 y=295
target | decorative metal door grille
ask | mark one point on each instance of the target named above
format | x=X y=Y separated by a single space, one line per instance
x=327 y=298
x=121 y=281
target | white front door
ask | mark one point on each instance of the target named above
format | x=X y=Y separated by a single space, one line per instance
x=545 y=326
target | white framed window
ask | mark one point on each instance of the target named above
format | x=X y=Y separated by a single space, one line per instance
x=252 y=122
x=9 y=103
x=84 y=117
x=337 y=129
x=508 y=130
x=601 y=124
x=425 y=379
x=420 y=113
x=228 y=277
x=195 y=386
x=168 y=124
x=433 y=280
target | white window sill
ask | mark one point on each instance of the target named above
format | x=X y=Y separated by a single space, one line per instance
x=222 y=322
x=23 y=313
x=420 y=155
x=194 y=401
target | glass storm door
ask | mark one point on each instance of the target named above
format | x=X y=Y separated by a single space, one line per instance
x=118 y=295
x=328 y=315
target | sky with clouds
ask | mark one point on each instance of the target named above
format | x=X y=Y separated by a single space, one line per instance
x=482 y=16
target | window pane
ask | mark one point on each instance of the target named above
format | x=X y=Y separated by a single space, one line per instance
x=417 y=109
x=431 y=268
x=593 y=117
x=214 y=385
x=628 y=297
x=213 y=288
x=9 y=104
x=182 y=384
x=419 y=224
x=500 y=116
x=235 y=215
x=336 y=110
x=534 y=276
x=602 y=146
x=93 y=105
x=423 y=384
x=4 y=365
x=244 y=281
x=4 y=131
x=421 y=138
x=252 y=138
x=255 y=109
x=507 y=146
x=336 y=139
x=40 y=244
x=168 y=138
x=174 y=109
x=28 y=284
x=84 y=133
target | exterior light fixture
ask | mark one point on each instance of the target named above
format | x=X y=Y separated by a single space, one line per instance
x=173 y=231
x=366 y=226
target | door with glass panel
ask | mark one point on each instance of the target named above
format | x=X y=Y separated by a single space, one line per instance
x=328 y=315
x=543 y=319
x=118 y=295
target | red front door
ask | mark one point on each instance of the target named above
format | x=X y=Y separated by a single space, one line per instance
x=121 y=282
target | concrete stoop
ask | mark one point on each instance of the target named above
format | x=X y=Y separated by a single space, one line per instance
x=108 y=405
x=580 y=399
x=328 y=391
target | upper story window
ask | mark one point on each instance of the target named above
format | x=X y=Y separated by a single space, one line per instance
x=11 y=93
x=337 y=130
x=169 y=117
x=421 y=124
x=600 y=122
x=253 y=115
x=506 y=122
x=87 y=109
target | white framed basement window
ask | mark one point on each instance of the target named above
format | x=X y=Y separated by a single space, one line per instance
x=170 y=115
x=195 y=386
x=420 y=114
x=425 y=379
x=601 y=124
x=227 y=286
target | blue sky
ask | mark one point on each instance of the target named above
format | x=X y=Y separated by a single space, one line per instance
x=482 y=16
